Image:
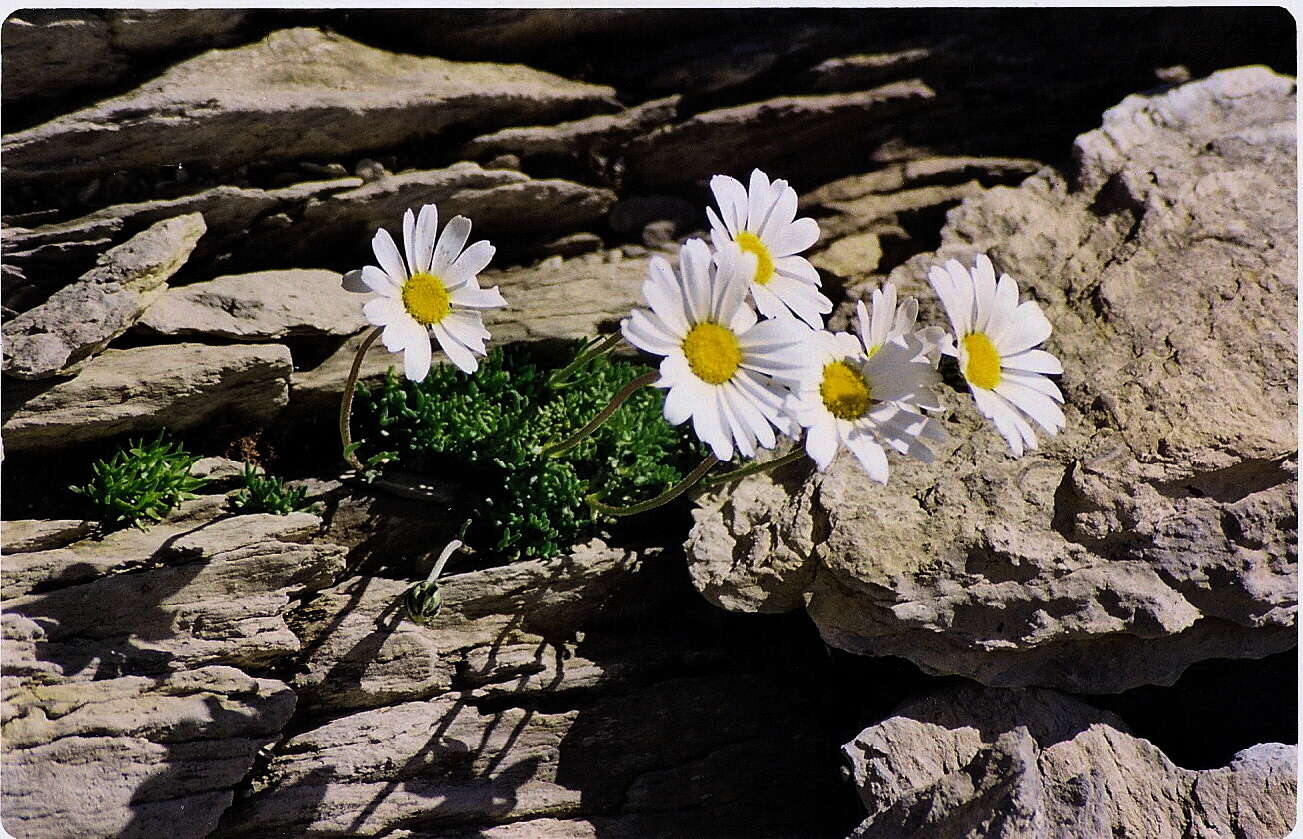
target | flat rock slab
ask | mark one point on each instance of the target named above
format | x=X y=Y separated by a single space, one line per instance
x=262 y=306
x=1158 y=529
x=216 y=594
x=577 y=138
x=134 y=756
x=1019 y=764
x=177 y=386
x=79 y=320
x=297 y=93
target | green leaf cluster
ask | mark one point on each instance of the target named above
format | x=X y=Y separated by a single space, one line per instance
x=140 y=483
x=487 y=431
x=267 y=494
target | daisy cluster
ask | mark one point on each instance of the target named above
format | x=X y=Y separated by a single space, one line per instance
x=745 y=381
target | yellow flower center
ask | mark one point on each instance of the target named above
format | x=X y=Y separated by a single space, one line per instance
x=713 y=353
x=983 y=367
x=426 y=298
x=751 y=243
x=844 y=392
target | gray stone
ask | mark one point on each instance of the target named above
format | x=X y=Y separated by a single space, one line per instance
x=213 y=594
x=851 y=257
x=568 y=298
x=262 y=306
x=296 y=93
x=25 y=535
x=1158 y=529
x=771 y=132
x=177 y=386
x=79 y=320
x=135 y=756
x=1020 y=764
x=579 y=138
x=322 y=386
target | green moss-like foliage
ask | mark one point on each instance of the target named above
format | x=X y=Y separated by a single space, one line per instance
x=140 y=483
x=487 y=430
x=267 y=494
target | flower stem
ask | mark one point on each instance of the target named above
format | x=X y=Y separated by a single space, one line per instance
x=664 y=498
x=753 y=468
x=596 y=348
x=602 y=416
x=346 y=401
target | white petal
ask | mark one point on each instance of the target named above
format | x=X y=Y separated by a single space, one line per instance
x=797 y=268
x=352 y=281
x=1006 y=305
x=963 y=283
x=956 y=306
x=744 y=318
x=757 y=200
x=680 y=401
x=732 y=199
x=750 y=414
x=647 y=332
x=664 y=294
x=695 y=268
x=772 y=335
x=741 y=434
x=409 y=239
x=767 y=302
x=427 y=225
x=794 y=238
x=472 y=260
x=457 y=354
x=1035 y=361
x=380 y=282
x=1015 y=430
x=869 y=454
x=781 y=212
x=719 y=235
x=1035 y=381
x=470 y=297
x=806 y=302
x=821 y=442
x=1029 y=328
x=983 y=275
x=451 y=241
x=733 y=268
x=709 y=428
x=388 y=257
x=416 y=358
x=1044 y=410
x=467 y=328
x=382 y=311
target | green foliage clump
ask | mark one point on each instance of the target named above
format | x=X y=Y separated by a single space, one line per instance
x=140 y=483
x=488 y=429
x=267 y=494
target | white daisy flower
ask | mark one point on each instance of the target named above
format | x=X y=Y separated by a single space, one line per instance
x=889 y=320
x=864 y=402
x=762 y=221
x=435 y=290
x=722 y=368
x=995 y=342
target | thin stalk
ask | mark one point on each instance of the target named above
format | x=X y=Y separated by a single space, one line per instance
x=346 y=402
x=664 y=498
x=596 y=348
x=448 y=551
x=753 y=468
x=602 y=416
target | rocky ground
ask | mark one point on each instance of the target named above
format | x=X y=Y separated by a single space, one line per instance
x=1095 y=640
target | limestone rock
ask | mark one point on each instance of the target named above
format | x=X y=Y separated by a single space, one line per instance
x=48 y=53
x=296 y=93
x=323 y=385
x=592 y=135
x=214 y=594
x=25 y=535
x=135 y=756
x=179 y=386
x=770 y=131
x=81 y=319
x=262 y=306
x=567 y=298
x=850 y=257
x=1011 y=764
x=1157 y=530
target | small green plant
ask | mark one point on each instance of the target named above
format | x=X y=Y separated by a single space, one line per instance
x=141 y=483
x=268 y=494
x=489 y=430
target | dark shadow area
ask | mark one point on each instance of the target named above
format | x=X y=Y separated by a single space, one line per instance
x=1216 y=709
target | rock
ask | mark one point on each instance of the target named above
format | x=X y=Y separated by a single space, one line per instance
x=851 y=257
x=297 y=93
x=971 y=761
x=79 y=320
x=772 y=132
x=68 y=561
x=135 y=756
x=219 y=597
x=631 y=215
x=178 y=386
x=49 y=53
x=323 y=385
x=1158 y=529
x=26 y=535
x=593 y=135
x=861 y=70
x=266 y=305
x=563 y=299
x=574 y=244
x=219 y=472
x=228 y=211
x=497 y=201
